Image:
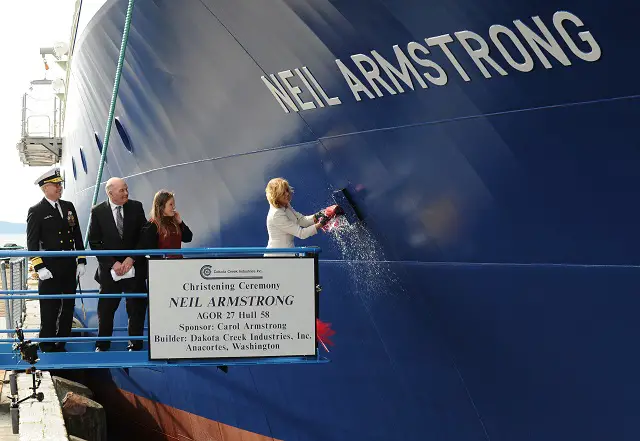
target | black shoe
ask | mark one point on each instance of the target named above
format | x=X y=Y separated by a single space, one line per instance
x=134 y=348
x=101 y=350
x=60 y=349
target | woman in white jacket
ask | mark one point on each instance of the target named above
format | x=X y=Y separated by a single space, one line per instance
x=283 y=222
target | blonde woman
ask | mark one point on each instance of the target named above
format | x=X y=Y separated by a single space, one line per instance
x=283 y=222
x=165 y=229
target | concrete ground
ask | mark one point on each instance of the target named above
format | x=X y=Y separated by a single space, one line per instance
x=38 y=420
x=6 y=432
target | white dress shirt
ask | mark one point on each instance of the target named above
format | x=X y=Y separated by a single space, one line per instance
x=283 y=224
x=53 y=204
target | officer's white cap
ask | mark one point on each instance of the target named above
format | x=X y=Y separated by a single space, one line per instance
x=51 y=176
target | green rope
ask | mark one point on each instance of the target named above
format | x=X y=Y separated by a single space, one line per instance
x=114 y=97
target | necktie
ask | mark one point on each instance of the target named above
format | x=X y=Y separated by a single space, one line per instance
x=58 y=210
x=119 y=220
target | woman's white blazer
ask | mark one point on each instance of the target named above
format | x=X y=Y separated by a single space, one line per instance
x=283 y=224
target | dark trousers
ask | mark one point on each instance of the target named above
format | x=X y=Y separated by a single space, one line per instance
x=56 y=315
x=136 y=310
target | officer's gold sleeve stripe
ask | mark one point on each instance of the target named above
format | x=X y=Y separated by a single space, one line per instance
x=81 y=257
x=36 y=260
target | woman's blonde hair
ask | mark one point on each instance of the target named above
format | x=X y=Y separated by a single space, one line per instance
x=164 y=223
x=276 y=188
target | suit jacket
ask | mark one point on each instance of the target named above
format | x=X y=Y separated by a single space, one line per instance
x=285 y=223
x=47 y=231
x=103 y=235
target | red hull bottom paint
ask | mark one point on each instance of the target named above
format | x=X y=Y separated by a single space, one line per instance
x=133 y=417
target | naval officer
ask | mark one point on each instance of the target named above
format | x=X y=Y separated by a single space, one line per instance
x=52 y=225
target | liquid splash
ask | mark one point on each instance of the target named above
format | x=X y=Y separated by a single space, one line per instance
x=370 y=274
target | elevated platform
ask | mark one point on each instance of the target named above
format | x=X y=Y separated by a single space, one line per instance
x=80 y=347
x=81 y=355
x=81 y=351
x=40 y=151
x=40 y=141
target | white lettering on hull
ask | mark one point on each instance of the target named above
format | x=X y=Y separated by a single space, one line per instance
x=521 y=47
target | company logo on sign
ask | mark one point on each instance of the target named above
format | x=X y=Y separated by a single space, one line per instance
x=205 y=272
x=208 y=273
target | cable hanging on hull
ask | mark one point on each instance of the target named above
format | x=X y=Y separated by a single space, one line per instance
x=112 y=107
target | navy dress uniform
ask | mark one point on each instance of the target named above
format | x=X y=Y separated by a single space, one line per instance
x=52 y=225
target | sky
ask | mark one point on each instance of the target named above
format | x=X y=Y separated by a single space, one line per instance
x=25 y=27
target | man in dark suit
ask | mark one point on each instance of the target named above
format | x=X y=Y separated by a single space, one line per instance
x=52 y=225
x=116 y=224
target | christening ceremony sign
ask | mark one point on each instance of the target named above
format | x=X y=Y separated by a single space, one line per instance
x=231 y=308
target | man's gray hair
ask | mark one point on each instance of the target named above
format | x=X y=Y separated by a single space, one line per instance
x=110 y=182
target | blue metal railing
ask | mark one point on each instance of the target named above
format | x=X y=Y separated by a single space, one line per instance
x=9 y=296
x=29 y=291
x=215 y=252
x=26 y=331
x=83 y=356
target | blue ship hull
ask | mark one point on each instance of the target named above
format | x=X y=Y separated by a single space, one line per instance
x=492 y=294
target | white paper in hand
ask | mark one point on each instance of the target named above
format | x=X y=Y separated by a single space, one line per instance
x=129 y=274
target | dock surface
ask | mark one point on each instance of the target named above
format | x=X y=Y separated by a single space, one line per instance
x=6 y=432
x=38 y=421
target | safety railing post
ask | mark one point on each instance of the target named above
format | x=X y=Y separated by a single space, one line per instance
x=12 y=284
x=7 y=303
x=22 y=280
x=26 y=285
x=15 y=307
x=22 y=286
